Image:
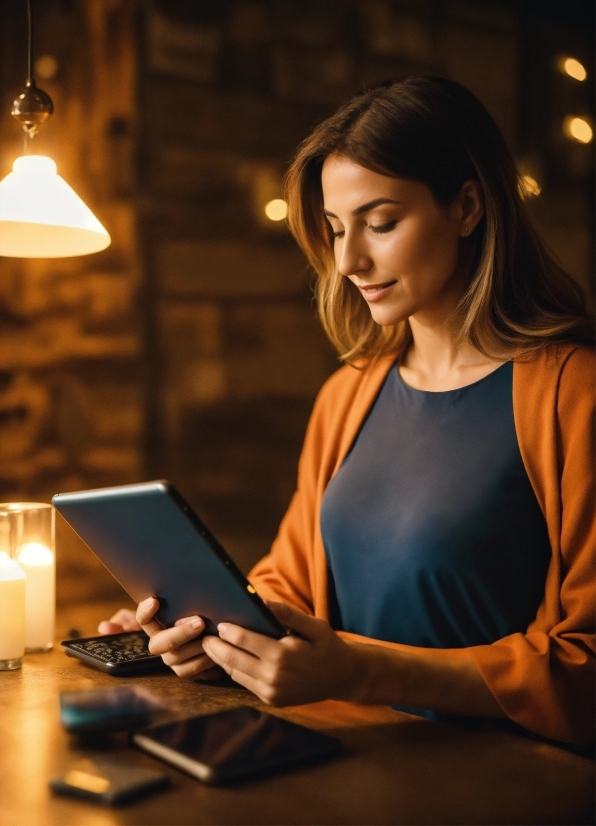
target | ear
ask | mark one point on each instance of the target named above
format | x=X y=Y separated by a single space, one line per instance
x=470 y=203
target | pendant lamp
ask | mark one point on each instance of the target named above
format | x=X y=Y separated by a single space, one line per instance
x=40 y=215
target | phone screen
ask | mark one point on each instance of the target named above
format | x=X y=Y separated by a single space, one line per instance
x=230 y=744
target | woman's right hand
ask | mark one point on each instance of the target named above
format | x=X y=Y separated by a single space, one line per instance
x=178 y=646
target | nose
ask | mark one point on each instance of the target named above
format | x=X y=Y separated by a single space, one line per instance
x=352 y=257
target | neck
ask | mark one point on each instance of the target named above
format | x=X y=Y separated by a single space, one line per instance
x=438 y=360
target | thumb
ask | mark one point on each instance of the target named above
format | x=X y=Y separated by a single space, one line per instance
x=308 y=627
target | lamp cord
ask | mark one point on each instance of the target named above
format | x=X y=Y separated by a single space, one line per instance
x=29 y=44
x=29 y=63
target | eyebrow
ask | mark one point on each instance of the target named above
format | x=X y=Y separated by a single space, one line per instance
x=366 y=207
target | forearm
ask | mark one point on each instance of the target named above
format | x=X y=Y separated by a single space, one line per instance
x=449 y=685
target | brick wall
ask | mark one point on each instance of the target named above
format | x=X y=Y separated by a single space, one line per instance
x=190 y=348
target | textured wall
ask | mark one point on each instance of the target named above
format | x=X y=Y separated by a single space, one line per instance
x=190 y=348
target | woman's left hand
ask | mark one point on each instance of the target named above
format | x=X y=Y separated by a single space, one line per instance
x=316 y=665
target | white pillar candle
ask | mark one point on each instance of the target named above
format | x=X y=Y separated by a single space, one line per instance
x=39 y=566
x=12 y=613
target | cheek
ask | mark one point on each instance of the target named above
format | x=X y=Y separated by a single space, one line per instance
x=427 y=252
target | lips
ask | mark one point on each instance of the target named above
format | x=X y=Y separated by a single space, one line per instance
x=374 y=292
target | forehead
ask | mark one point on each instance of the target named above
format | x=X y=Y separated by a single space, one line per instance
x=346 y=185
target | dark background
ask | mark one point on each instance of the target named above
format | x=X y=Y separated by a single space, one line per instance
x=190 y=348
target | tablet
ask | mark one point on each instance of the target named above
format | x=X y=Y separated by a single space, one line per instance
x=151 y=540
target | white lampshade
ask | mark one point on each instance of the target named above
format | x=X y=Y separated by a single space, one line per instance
x=42 y=217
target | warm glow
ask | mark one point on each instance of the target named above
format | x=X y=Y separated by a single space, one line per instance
x=573 y=68
x=46 y=67
x=88 y=782
x=578 y=129
x=42 y=217
x=530 y=186
x=276 y=210
x=9 y=569
x=35 y=554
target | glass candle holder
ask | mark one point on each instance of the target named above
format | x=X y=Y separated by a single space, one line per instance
x=12 y=613
x=30 y=539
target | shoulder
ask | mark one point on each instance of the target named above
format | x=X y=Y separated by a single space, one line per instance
x=554 y=389
x=560 y=366
x=351 y=382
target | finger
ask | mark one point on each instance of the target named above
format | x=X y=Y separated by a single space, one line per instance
x=234 y=661
x=254 y=643
x=126 y=618
x=310 y=628
x=169 y=639
x=108 y=627
x=122 y=620
x=194 y=668
x=187 y=651
x=185 y=619
x=145 y=613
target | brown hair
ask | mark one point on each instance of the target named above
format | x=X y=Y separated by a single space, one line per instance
x=433 y=130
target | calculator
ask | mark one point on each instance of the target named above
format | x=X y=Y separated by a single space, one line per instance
x=122 y=655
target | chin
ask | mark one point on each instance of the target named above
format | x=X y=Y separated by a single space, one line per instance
x=388 y=316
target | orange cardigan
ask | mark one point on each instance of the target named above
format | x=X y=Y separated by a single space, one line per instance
x=544 y=678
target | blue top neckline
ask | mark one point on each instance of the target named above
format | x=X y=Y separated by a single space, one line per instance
x=455 y=389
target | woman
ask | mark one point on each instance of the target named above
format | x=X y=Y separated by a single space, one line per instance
x=438 y=555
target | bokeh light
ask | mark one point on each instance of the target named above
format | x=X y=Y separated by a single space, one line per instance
x=276 y=210
x=572 y=68
x=578 y=129
x=46 y=67
x=530 y=188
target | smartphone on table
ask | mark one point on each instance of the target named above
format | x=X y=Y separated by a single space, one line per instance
x=108 y=782
x=234 y=744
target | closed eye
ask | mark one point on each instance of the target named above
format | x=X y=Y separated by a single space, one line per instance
x=379 y=229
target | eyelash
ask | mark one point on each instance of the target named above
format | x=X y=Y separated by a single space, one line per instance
x=382 y=228
x=379 y=229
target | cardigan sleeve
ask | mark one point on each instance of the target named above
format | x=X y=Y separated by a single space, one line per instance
x=545 y=679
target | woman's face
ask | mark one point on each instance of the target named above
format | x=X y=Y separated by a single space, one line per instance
x=395 y=243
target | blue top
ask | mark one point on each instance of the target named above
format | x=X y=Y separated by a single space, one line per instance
x=432 y=531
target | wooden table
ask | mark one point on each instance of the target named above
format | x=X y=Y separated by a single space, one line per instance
x=394 y=769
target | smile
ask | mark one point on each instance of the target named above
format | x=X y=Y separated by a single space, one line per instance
x=375 y=292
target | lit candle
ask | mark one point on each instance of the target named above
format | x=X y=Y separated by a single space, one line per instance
x=12 y=613
x=38 y=563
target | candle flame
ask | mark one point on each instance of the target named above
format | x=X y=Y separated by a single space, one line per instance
x=33 y=553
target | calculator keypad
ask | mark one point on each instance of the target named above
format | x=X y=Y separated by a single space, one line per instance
x=116 y=650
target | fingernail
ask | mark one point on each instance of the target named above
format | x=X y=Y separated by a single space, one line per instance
x=223 y=626
x=198 y=623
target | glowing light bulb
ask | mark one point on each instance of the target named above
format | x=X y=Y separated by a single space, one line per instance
x=572 y=68
x=276 y=210
x=530 y=187
x=578 y=129
x=42 y=217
